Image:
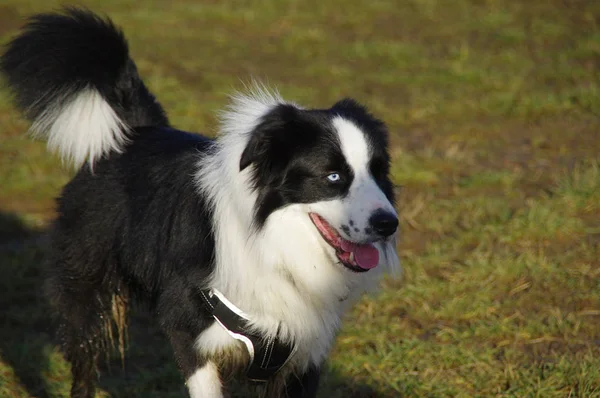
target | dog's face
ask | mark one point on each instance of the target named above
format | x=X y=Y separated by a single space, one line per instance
x=335 y=163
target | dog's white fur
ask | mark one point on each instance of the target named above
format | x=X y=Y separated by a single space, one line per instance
x=285 y=272
x=205 y=383
x=85 y=129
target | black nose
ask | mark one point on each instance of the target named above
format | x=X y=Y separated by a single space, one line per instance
x=384 y=223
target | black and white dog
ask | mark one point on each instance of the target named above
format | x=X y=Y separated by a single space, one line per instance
x=248 y=248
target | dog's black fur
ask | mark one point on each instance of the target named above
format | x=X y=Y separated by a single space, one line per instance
x=132 y=228
x=135 y=225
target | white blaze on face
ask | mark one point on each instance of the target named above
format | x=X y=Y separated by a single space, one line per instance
x=352 y=213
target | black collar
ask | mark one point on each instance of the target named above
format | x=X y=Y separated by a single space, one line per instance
x=267 y=355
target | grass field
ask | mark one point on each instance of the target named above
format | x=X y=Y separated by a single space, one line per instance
x=494 y=109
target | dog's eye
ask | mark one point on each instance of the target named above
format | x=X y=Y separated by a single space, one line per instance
x=334 y=177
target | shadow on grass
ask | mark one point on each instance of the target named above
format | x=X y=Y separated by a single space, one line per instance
x=28 y=344
x=26 y=328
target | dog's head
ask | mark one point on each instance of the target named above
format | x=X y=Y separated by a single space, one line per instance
x=329 y=169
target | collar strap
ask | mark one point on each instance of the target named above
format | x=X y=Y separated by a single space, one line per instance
x=267 y=355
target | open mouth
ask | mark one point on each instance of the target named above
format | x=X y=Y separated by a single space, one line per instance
x=357 y=257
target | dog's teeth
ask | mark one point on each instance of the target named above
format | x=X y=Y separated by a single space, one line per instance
x=352 y=257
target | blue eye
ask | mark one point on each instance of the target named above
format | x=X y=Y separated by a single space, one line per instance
x=334 y=177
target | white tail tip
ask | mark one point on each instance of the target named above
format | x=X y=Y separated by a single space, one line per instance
x=85 y=129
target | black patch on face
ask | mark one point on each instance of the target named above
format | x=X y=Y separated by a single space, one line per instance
x=293 y=152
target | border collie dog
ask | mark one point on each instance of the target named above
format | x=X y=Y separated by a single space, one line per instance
x=248 y=248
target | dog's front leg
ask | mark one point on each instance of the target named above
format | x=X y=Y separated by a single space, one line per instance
x=201 y=375
x=205 y=382
x=305 y=385
x=182 y=319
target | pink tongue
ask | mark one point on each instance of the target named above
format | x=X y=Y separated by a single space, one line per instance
x=366 y=256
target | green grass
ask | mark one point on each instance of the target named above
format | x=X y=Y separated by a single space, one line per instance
x=494 y=110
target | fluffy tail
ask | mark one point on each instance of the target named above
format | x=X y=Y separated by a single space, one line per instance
x=72 y=77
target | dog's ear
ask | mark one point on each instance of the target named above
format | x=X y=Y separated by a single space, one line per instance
x=268 y=135
x=349 y=105
x=359 y=114
x=250 y=152
x=256 y=147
